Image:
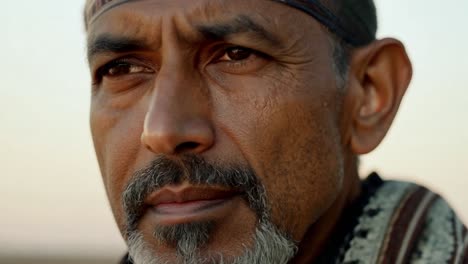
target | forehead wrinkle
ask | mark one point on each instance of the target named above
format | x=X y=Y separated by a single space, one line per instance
x=120 y=24
x=200 y=22
x=149 y=28
x=220 y=20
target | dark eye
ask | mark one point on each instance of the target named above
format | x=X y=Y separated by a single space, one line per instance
x=120 y=68
x=236 y=54
x=126 y=68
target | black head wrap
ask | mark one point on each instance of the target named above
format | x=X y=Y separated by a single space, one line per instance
x=354 y=21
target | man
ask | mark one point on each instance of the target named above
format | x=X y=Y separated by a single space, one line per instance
x=229 y=132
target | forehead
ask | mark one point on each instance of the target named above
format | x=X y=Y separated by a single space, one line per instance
x=324 y=11
x=97 y=8
x=144 y=18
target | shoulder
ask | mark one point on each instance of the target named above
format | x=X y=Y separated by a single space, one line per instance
x=403 y=222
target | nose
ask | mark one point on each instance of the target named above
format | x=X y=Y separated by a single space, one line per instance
x=178 y=119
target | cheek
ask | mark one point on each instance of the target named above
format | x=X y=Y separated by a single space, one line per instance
x=302 y=168
x=290 y=136
x=116 y=136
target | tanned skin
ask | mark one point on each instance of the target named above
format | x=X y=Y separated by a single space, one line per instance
x=261 y=93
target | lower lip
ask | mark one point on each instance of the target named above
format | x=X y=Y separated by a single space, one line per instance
x=193 y=211
x=187 y=207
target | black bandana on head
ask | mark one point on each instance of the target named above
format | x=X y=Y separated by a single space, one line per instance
x=358 y=32
x=353 y=34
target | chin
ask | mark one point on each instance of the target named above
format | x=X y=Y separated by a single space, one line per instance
x=198 y=243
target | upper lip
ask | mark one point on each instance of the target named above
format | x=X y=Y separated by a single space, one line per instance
x=183 y=194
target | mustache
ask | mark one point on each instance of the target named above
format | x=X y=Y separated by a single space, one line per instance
x=196 y=170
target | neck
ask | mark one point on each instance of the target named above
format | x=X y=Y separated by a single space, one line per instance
x=317 y=236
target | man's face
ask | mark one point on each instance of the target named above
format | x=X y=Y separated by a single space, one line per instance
x=235 y=91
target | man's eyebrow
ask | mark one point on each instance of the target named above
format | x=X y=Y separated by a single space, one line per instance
x=240 y=24
x=107 y=43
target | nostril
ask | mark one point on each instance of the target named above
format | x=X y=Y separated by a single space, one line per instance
x=186 y=147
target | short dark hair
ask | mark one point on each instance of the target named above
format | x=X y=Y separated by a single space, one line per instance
x=358 y=16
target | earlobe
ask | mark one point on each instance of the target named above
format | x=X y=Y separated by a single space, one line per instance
x=381 y=73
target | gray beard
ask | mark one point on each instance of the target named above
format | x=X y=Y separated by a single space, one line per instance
x=270 y=246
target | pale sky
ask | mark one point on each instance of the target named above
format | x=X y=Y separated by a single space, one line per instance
x=52 y=198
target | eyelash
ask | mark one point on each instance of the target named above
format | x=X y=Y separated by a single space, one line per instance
x=103 y=70
x=242 y=65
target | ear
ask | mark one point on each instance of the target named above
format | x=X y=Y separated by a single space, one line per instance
x=379 y=76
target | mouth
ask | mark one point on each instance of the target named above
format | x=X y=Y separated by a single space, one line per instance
x=186 y=203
